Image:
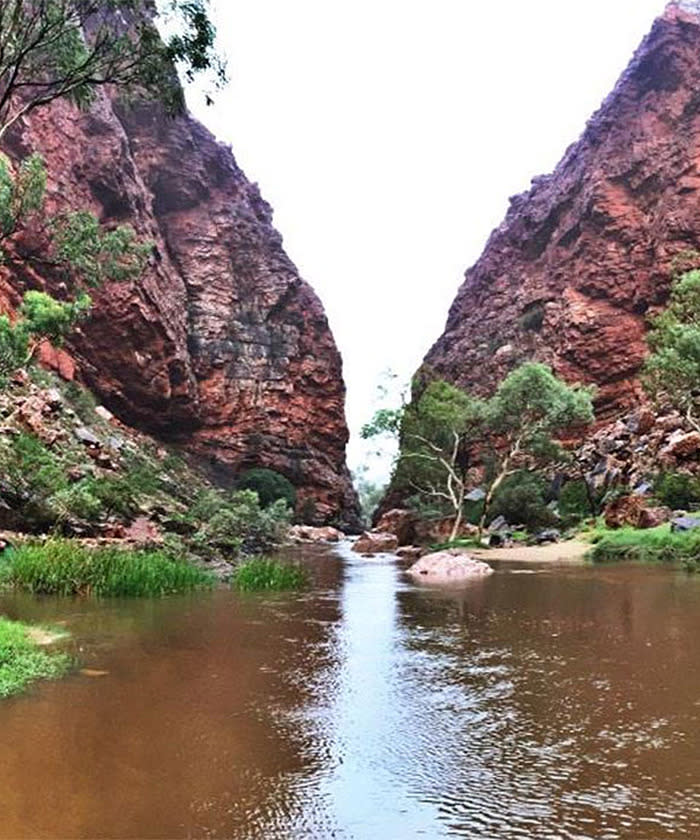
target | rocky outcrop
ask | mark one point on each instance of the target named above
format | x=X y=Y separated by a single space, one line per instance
x=220 y=347
x=586 y=255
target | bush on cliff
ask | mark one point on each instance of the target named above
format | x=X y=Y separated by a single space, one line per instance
x=235 y=523
x=269 y=485
x=672 y=371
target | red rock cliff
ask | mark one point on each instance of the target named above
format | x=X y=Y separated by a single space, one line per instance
x=581 y=259
x=220 y=346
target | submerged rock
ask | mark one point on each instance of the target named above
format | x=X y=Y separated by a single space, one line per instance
x=311 y=533
x=448 y=567
x=375 y=542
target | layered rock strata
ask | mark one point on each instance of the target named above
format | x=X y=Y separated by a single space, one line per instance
x=220 y=346
x=587 y=254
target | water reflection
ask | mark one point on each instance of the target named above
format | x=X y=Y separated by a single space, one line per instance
x=563 y=703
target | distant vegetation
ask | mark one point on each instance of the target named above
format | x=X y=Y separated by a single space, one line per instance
x=270 y=486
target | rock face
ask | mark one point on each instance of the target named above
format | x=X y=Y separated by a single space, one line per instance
x=586 y=255
x=220 y=346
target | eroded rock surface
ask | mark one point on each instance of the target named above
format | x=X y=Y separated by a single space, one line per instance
x=584 y=257
x=220 y=346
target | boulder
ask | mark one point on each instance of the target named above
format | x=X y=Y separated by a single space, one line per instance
x=409 y=552
x=685 y=523
x=549 y=535
x=311 y=533
x=652 y=517
x=86 y=436
x=399 y=522
x=375 y=542
x=681 y=446
x=448 y=567
x=625 y=510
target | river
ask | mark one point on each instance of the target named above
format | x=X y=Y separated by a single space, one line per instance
x=542 y=702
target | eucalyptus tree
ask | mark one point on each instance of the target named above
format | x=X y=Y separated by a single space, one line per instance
x=55 y=49
x=529 y=409
x=671 y=374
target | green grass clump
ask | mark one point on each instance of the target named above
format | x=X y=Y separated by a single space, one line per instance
x=23 y=662
x=64 y=567
x=260 y=573
x=654 y=545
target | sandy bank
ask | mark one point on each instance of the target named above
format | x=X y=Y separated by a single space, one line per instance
x=570 y=551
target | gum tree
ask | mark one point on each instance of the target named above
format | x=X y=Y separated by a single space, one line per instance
x=523 y=418
x=671 y=374
x=54 y=49
x=437 y=433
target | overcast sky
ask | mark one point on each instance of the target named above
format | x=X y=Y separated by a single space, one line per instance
x=389 y=134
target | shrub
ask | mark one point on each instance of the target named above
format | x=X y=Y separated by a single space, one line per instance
x=260 y=574
x=64 y=567
x=22 y=662
x=269 y=485
x=656 y=545
x=521 y=500
x=76 y=501
x=238 y=524
x=677 y=490
x=115 y=495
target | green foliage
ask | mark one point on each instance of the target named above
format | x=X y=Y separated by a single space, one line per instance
x=574 y=503
x=93 y=254
x=679 y=491
x=260 y=574
x=76 y=502
x=672 y=371
x=40 y=316
x=234 y=523
x=269 y=485
x=22 y=662
x=21 y=195
x=45 y=55
x=30 y=469
x=655 y=545
x=532 y=404
x=76 y=244
x=64 y=567
x=520 y=499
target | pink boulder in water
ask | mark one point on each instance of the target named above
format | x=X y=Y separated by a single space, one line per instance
x=448 y=567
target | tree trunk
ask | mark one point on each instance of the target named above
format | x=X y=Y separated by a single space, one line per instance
x=489 y=498
x=456 y=525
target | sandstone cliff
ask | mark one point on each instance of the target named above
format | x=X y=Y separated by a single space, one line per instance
x=220 y=347
x=584 y=257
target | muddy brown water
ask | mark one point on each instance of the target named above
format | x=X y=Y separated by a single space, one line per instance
x=539 y=703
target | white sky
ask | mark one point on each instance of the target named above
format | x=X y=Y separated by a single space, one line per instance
x=388 y=135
